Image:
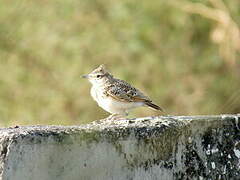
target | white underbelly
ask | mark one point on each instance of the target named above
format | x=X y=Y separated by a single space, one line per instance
x=111 y=105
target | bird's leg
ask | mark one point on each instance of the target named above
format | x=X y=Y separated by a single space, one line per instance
x=112 y=117
x=117 y=116
x=121 y=117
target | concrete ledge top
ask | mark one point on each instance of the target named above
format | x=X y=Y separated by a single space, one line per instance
x=150 y=122
x=139 y=128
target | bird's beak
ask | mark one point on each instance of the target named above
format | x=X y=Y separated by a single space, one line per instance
x=85 y=76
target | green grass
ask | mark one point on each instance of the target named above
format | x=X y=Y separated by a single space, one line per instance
x=46 y=45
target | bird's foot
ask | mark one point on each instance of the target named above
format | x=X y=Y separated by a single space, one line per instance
x=116 y=118
x=113 y=117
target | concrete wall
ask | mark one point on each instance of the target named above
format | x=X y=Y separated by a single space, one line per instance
x=166 y=148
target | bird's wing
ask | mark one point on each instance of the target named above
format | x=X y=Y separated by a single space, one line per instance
x=122 y=91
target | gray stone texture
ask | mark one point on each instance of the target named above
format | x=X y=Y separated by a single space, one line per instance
x=150 y=148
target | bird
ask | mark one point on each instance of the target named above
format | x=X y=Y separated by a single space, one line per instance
x=114 y=95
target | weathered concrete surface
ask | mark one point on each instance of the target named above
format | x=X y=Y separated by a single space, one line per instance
x=166 y=148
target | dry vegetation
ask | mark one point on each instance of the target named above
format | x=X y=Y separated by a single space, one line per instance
x=185 y=56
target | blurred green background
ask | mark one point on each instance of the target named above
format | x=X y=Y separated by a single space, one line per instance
x=184 y=55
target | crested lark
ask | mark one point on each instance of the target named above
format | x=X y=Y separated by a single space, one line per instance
x=114 y=95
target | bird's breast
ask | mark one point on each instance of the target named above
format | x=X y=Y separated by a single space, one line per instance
x=110 y=104
x=96 y=94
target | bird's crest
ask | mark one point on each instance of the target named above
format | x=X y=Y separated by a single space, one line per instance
x=101 y=69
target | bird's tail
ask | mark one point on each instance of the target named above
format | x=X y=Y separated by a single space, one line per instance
x=154 y=106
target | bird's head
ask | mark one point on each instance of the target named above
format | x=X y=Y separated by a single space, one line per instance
x=98 y=76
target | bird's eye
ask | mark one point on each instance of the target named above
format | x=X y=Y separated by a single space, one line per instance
x=98 y=76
